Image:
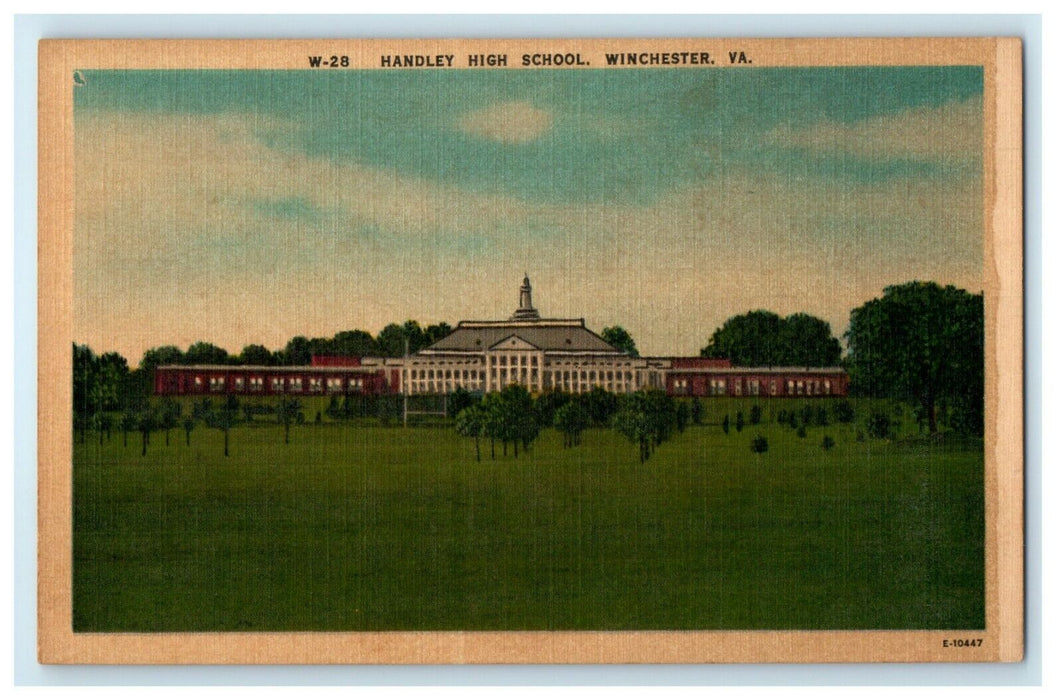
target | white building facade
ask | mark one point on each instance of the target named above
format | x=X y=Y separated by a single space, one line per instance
x=536 y=353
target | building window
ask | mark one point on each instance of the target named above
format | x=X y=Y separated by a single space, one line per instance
x=826 y=387
x=217 y=383
x=334 y=384
x=239 y=383
x=256 y=383
x=754 y=387
x=774 y=388
x=738 y=387
x=315 y=384
x=295 y=384
x=277 y=384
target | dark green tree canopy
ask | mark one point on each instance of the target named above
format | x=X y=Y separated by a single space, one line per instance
x=255 y=355
x=808 y=342
x=392 y=341
x=165 y=355
x=354 y=344
x=620 y=339
x=202 y=353
x=920 y=343
x=297 y=351
x=437 y=332
x=763 y=338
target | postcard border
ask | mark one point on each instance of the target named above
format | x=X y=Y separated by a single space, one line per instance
x=1004 y=400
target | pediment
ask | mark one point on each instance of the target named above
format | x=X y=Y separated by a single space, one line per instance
x=513 y=342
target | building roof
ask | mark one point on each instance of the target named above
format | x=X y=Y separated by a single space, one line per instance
x=275 y=369
x=549 y=335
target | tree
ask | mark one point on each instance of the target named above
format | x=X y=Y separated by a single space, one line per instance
x=923 y=344
x=546 y=405
x=763 y=338
x=127 y=424
x=165 y=355
x=297 y=351
x=201 y=353
x=104 y=423
x=620 y=339
x=169 y=414
x=146 y=423
x=287 y=413
x=100 y=385
x=189 y=425
x=600 y=405
x=493 y=419
x=354 y=344
x=571 y=420
x=696 y=410
x=682 y=416
x=255 y=355
x=646 y=418
x=751 y=340
x=436 y=332
x=458 y=401
x=395 y=340
x=471 y=422
x=808 y=342
x=518 y=417
x=634 y=422
x=759 y=445
x=224 y=418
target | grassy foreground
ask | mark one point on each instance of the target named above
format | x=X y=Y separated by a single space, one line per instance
x=352 y=527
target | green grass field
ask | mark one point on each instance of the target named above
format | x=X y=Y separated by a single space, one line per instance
x=363 y=527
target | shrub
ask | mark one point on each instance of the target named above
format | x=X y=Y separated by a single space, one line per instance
x=828 y=443
x=759 y=445
x=754 y=415
x=879 y=425
x=740 y=422
x=682 y=416
x=727 y=424
x=801 y=432
x=844 y=412
x=695 y=411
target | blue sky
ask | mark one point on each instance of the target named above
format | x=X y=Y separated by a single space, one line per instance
x=249 y=206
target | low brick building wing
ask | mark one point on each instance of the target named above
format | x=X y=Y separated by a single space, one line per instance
x=483 y=356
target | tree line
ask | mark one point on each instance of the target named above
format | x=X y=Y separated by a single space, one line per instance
x=391 y=341
x=514 y=418
x=918 y=343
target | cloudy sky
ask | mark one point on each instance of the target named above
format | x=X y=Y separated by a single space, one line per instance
x=242 y=207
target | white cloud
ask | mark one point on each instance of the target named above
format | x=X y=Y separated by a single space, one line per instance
x=508 y=122
x=170 y=246
x=950 y=133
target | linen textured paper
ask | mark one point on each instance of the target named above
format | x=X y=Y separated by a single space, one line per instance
x=530 y=351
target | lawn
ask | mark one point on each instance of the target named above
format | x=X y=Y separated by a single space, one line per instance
x=365 y=527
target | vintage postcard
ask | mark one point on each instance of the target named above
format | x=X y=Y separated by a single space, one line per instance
x=530 y=351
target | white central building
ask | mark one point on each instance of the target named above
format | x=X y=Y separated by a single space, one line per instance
x=539 y=354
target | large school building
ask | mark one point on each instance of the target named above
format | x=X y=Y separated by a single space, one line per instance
x=541 y=354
